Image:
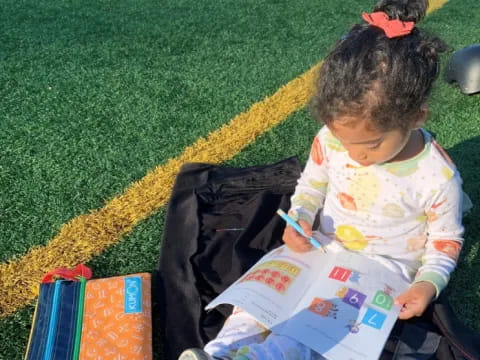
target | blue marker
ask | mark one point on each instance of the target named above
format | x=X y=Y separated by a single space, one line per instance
x=297 y=227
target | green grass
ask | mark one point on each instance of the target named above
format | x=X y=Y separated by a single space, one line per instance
x=94 y=94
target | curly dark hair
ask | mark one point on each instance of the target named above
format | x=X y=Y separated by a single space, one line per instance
x=385 y=80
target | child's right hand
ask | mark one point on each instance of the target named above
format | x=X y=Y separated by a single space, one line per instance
x=294 y=240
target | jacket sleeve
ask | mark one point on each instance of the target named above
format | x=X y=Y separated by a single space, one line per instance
x=311 y=188
x=444 y=235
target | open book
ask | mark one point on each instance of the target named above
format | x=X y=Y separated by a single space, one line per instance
x=339 y=303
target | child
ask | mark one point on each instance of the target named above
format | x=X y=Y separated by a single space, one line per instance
x=375 y=181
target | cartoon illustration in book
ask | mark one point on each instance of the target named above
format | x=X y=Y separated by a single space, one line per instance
x=388 y=290
x=278 y=275
x=341 y=292
x=355 y=277
x=353 y=326
x=324 y=308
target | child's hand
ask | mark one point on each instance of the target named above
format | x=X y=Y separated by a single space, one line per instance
x=415 y=300
x=294 y=240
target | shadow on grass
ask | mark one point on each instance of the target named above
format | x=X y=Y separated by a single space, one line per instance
x=464 y=288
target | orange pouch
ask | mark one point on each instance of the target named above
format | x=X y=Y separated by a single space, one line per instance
x=117 y=319
x=77 y=318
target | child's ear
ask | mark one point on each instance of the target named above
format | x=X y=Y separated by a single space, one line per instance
x=422 y=116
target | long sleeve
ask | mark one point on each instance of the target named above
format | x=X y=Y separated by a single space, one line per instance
x=444 y=235
x=310 y=192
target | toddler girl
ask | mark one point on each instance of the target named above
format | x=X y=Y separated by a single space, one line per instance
x=375 y=181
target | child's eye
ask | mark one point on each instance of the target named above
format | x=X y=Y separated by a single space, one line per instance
x=374 y=146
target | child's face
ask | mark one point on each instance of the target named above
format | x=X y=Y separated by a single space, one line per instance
x=366 y=145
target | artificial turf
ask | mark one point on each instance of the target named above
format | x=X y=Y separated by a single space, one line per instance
x=95 y=94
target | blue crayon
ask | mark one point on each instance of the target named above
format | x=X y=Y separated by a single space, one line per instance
x=297 y=227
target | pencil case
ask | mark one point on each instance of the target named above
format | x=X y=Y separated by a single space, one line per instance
x=77 y=317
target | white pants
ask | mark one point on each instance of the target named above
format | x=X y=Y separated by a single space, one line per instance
x=243 y=335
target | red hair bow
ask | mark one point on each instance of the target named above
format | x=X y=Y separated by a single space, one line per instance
x=392 y=28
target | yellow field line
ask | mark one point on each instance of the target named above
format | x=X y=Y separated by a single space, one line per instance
x=435 y=5
x=88 y=235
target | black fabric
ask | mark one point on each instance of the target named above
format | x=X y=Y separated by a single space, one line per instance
x=417 y=343
x=462 y=342
x=199 y=258
x=220 y=221
x=456 y=341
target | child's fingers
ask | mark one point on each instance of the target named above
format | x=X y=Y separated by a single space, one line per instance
x=412 y=304
x=306 y=227
x=410 y=310
x=402 y=300
x=295 y=241
x=406 y=313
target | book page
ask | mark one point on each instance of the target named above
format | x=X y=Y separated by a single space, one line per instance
x=272 y=288
x=348 y=311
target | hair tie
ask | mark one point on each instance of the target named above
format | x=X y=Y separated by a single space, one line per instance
x=392 y=28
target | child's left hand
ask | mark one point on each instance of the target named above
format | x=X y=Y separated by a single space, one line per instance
x=415 y=300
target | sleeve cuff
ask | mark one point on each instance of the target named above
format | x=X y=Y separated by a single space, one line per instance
x=300 y=215
x=433 y=278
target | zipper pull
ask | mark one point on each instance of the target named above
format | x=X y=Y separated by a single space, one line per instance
x=69 y=274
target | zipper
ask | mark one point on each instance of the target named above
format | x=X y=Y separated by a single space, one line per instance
x=78 y=329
